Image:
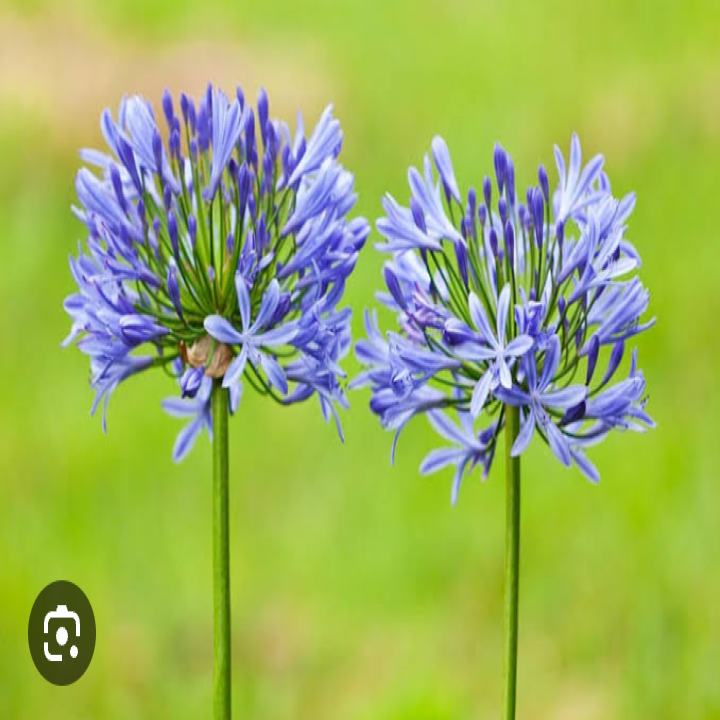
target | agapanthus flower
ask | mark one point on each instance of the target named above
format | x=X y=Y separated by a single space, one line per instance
x=218 y=247
x=507 y=301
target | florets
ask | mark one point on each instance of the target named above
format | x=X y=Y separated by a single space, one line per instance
x=219 y=252
x=503 y=301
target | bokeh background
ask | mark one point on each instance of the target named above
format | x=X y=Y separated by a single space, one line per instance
x=358 y=591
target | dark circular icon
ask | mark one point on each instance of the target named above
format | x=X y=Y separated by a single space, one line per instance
x=61 y=633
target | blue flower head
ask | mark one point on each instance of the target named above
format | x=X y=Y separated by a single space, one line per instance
x=222 y=252
x=507 y=301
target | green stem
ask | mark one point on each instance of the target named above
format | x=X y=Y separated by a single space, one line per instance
x=512 y=565
x=221 y=554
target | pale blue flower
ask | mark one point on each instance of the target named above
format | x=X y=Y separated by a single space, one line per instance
x=215 y=257
x=487 y=345
x=470 y=449
x=512 y=284
x=251 y=337
x=538 y=398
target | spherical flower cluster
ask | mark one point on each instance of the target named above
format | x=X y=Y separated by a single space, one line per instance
x=507 y=301
x=222 y=252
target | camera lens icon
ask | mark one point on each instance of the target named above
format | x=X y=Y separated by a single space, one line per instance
x=62 y=632
x=61 y=635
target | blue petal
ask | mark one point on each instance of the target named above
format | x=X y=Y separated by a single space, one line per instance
x=441 y=155
x=480 y=394
x=277 y=336
x=236 y=391
x=444 y=427
x=400 y=229
x=565 y=398
x=236 y=368
x=325 y=141
x=275 y=373
x=585 y=466
x=439 y=459
x=228 y=124
x=179 y=408
x=457 y=481
x=269 y=302
x=527 y=430
x=475 y=353
x=519 y=345
x=550 y=363
x=502 y=313
x=505 y=375
x=512 y=396
x=243 y=296
x=186 y=439
x=558 y=444
x=480 y=318
x=221 y=329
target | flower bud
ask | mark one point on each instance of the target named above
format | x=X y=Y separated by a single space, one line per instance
x=140 y=208
x=522 y=216
x=167 y=197
x=538 y=212
x=616 y=357
x=393 y=285
x=167 y=105
x=592 y=358
x=203 y=129
x=494 y=242
x=191 y=381
x=117 y=186
x=471 y=202
x=510 y=181
x=173 y=290
x=263 y=113
x=487 y=191
x=233 y=169
x=482 y=214
x=500 y=159
x=544 y=184
x=157 y=147
x=184 y=106
x=462 y=260
x=137 y=329
x=510 y=243
x=192 y=117
x=192 y=229
x=175 y=143
x=573 y=414
x=418 y=215
x=173 y=233
x=502 y=209
x=250 y=148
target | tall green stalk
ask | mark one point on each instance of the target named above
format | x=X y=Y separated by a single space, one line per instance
x=221 y=555
x=512 y=564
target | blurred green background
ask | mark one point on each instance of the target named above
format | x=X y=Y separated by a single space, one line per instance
x=358 y=591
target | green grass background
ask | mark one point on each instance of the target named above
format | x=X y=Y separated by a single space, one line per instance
x=358 y=592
